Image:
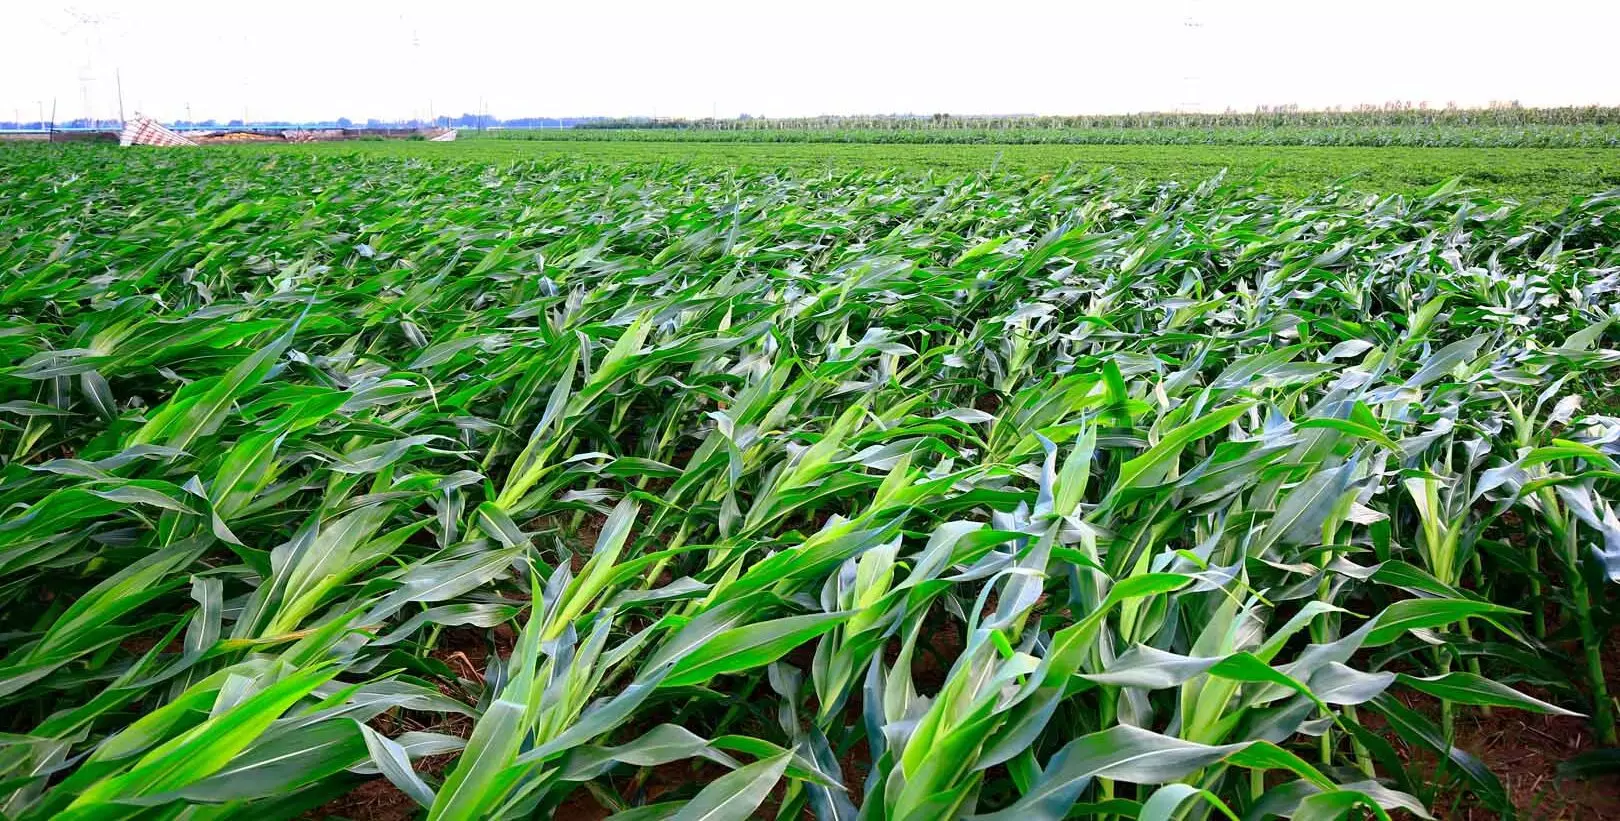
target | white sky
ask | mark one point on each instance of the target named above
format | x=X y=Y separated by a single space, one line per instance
x=317 y=59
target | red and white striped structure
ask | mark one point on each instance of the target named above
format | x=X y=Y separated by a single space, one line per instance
x=147 y=131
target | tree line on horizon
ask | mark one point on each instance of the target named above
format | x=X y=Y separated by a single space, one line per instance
x=1393 y=114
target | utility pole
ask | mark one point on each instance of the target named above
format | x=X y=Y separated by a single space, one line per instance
x=118 y=76
x=84 y=96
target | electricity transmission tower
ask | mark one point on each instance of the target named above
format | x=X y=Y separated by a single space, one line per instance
x=94 y=46
x=1192 y=50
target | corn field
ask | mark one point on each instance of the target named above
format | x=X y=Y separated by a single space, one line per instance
x=677 y=493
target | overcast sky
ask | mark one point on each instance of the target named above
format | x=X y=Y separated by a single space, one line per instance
x=318 y=59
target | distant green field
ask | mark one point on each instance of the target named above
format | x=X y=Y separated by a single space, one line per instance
x=1539 y=135
x=1550 y=175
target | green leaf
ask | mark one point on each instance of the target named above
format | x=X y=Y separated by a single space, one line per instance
x=750 y=646
x=1467 y=688
x=1418 y=614
x=735 y=795
x=205 y=750
x=1152 y=467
